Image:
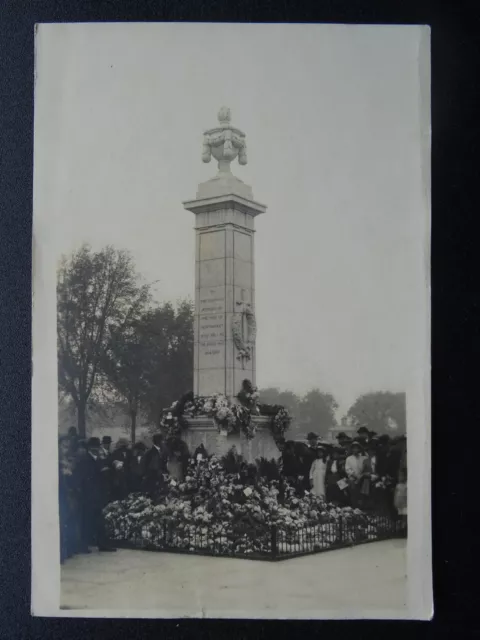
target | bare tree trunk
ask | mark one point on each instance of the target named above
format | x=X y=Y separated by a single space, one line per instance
x=133 y=425
x=82 y=420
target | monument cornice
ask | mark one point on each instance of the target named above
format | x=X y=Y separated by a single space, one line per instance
x=205 y=228
x=202 y=205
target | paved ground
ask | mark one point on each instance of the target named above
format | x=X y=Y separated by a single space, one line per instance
x=369 y=579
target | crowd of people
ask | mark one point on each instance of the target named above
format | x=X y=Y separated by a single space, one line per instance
x=368 y=472
x=93 y=473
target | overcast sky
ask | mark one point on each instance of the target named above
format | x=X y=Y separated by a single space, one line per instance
x=332 y=117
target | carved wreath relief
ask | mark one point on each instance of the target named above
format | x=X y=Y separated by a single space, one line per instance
x=244 y=331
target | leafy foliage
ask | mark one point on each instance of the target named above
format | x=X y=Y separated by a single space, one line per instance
x=314 y=411
x=380 y=411
x=317 y=411
x=98 y=294
x=170 y=372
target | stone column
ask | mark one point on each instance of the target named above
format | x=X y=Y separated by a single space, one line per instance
x=224 y=269
x=224 y=284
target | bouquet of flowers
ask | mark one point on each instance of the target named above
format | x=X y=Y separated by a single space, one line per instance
x=171 y=424
x=281 y=422
x=385 y=482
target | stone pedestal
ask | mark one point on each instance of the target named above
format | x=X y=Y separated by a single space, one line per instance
x=224 y=283
x=204 y=431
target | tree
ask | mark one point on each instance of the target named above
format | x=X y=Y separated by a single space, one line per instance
x=170 y=374
x=317 y=411
x=379 y=411
x=126 y=363
x=98 y=293
x=288 y=399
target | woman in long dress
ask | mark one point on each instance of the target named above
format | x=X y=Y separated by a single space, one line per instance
x=336 y=478
x=317 y=473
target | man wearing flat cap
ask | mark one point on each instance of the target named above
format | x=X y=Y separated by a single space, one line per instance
x=92 y=498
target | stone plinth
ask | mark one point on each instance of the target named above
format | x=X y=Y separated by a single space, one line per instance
x=204 y=431
x=224 y=285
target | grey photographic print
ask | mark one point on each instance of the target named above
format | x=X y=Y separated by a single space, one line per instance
x=231 y=321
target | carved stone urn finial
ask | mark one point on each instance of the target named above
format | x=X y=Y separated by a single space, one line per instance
x=224 y=143
x=224 y=116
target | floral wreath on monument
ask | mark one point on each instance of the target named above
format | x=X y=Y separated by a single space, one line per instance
x=229 y=417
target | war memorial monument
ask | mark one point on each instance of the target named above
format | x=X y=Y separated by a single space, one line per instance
x=225 y=326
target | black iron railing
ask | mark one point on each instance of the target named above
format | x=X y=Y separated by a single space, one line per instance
x=262 y=542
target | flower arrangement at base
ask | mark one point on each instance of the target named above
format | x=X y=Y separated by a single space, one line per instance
x=229 y=417
x=232 y=513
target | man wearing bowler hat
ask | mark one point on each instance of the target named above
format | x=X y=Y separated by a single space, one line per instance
x=105 y=447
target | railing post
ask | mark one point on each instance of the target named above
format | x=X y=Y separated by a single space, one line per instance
x=340 y=524
x=274 y=542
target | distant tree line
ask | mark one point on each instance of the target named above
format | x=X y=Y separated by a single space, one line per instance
x=117 y=346
x=380 y=411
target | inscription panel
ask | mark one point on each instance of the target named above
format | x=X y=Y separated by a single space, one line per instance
x=211 y=327
x=210 y=335
x=211 y=300
x=211 y=354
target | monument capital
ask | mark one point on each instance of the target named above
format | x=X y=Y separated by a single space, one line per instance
x=224 y=143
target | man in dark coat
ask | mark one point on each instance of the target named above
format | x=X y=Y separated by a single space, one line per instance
x=92 y=498
x=120 y=461
x=155 y=465
x=136 y=471
x=388 y=465
x=105 y=447
x=106 y=467
x=290 y=463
